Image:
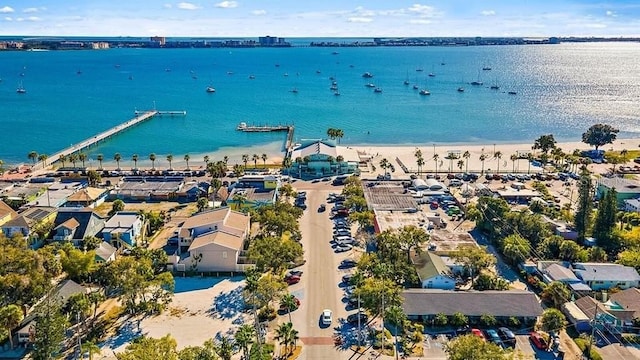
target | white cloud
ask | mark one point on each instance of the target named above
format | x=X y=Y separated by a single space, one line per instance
x=420 y=21
x=357 y=19
x=33 y=18
x=30 y=10
x=8 y=18
x=423 y=10
x=259 y=12
x=167 y=6
x=611 y=13
x=488 y=12
x=227 y=4
x=6 y=10
x=188 y=6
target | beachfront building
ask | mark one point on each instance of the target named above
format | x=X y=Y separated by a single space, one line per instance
x=212 y=241
x=87 y=197
x=123 y=229
x=625 y=188
x=75 y=224
x=314 y=159
x=148 y=188
x=433 y=272
x=426 y=304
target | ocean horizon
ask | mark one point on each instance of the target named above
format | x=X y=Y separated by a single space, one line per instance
x=72 y=95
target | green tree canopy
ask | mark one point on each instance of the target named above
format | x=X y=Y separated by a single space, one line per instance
x=545 y=143
x=600 y=134
x=552 y=320
x=467 y=347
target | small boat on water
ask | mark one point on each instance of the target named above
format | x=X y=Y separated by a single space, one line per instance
x=167 y=70
x=334 y=82
x=461 y=89
x=406 y=82
x=285 y=74
x=486 y=68
x=229 y=72
x=419 y=70
x=334 y=87
x=370 y=85
x=377 y=90
x=241 y=126
x=512 y=93
x=335 y=53
x=79 y=72
x=210 y=89
x=476 y=83
x=317 y=71
x=425 y=92
x=251 y=77
x=432 y=75
x=21 y=89
x=294 y=90
x=495 y=87
x=367 y=75
x=415 y=87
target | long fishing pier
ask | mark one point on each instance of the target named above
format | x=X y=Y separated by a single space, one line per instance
x=141 y=116
x=270 y=128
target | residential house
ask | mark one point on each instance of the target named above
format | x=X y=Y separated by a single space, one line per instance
x=105 y=253
x=87 y=197
x=212 y=241
x=319 y=158
x=193 y=191
x=632 y=205
x=629 y=300
x=62 y=292
x=250 y=198
x=75 y=224
x=604 y=276
x=617 y=314
x=425 y=304
x=558 y=272
x=433 y=272
x=124 y=228
x=6 y=213
x=27 y=220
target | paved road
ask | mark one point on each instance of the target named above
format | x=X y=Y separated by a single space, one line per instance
x=318 y=289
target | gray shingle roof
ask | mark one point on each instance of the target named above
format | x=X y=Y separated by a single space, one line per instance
x=605 y=272
x=557 y=272
x=471 y=303
x=429 y=264
x=90 y=222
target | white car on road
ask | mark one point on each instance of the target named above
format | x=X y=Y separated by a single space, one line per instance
x=326 y=317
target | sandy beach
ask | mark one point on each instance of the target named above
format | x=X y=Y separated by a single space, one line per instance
x=397 y=155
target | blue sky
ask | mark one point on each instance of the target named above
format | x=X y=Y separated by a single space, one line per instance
x=326 y=18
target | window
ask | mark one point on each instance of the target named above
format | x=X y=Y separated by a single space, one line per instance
x=224 y=254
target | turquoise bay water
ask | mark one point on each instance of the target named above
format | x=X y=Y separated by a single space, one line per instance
x=562 y=89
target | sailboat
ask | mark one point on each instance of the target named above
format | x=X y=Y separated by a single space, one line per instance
x=425 y=91
x=406 y=79
x=432 y=74
x=21 y=89
x=211 y=89
x=495 y=85
x=477 y=82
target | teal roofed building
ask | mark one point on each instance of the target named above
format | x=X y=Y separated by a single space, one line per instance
x=321 y=158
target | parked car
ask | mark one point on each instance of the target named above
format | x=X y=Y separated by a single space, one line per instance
x=478 y=333
x=353 y=318
x=347 y=263
x=507 y=336
x=294 y=273
x=347 y=278
x=326 y=317
x=343 y=248
x=493 y=336
x=537 y=340
x=292 y=280
x=322 y=208
x=341 y=232
x=346 y=242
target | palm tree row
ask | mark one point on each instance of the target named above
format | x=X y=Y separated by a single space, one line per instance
x=254 y=158
x=335 y=134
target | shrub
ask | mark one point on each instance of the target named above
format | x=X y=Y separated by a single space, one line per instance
x=440 y=320
x=583 y=344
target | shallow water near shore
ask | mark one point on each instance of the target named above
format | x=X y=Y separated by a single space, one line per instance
x=72 y=95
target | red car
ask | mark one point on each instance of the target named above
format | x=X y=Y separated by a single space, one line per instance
x=290 y=280
x=478 y=333
x=538 y=340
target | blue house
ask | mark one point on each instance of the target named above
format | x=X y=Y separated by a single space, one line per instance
x=604 y=276
x=123 y=229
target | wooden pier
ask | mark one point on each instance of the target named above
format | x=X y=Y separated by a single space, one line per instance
x=141 y=116
x=270 y=128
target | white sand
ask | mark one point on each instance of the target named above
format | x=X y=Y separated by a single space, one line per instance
x=405 y=154
x=202 y=308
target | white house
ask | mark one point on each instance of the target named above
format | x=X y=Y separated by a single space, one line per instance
x=604 y=276
x=433 y=272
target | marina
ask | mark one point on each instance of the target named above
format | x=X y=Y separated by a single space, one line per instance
x=269 y=128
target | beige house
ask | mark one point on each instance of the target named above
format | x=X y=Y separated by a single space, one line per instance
x=212 y=241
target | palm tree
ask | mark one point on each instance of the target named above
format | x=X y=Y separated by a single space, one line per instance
x=466 y=155
x=244 y=338
x=460 y=165
x=264 y=159
x=514 y=158
x=240 y=200
x=245 y=159
x=117 y=157
x=498 y=155
x=420 y=163
x=384 y=164
x=435 y=158
x=91 y=348
x=82 y=157
x=32 y=156
x=331 y=133
x=225 y=348
x=255 y=159
x=73 y=158
x=289 y=302
x=135 y=161
x=287 y=336
x=43 y=159
x=225 y=159
x=396 y=317
x=100 y=158
x=186 y=159
x=152 y=157
x=529 y=159
x=62 y=159
x=287 y=163
x=483 y=157
x=206 y=160
x=170 y=159
x=10 y=317
x=339 y=134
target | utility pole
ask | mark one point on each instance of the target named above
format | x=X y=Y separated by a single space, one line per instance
x=382 y=335
x=593 y=330
x=359 y=326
